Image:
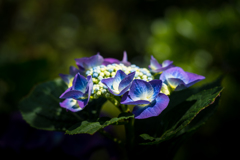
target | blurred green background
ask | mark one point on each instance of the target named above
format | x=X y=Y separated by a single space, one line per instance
x=40 y=39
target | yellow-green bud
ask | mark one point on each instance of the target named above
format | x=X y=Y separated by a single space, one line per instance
x=113 y=74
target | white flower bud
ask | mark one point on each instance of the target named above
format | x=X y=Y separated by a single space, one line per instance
x=107 y=73
x=95 y=80
x=107 y=95
x=144 y=77
x=99 y=93
x=101 y=74
x=113 y=74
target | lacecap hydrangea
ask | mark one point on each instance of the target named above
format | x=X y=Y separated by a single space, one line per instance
x=124 y=83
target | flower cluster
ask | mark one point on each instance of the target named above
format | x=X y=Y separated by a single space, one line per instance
x=98 y=77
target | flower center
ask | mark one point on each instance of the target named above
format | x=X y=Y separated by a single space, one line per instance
x=102 y=72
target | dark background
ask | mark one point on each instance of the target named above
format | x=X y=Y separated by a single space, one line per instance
x=40 y=39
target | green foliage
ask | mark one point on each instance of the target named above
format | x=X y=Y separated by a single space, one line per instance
x=182 y=117
x=187 y=111
x=93 y=127
x=41 y=108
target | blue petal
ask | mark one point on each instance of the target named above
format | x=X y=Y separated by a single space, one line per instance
x=157 y=85
x=120 y=75
x=70 y=104
x=114 y=83
x=124 y=90
x=141 y=90
x=153 y=109
x=80 y=83
x=89 y=86
x=83 y=102
x=108 y=82
x=126 y=82
x=127 y=100
x=72 y=94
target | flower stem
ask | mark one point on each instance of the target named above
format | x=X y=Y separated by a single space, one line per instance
x=129 y=129
x=124 y=108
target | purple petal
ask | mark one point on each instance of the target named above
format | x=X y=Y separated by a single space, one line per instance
x=81 y=69
x=108 y=61
x=69 y=89
x=153 y=109
x=157 y=85
x=80 y=83
x=124 y=60
x=83 y=102
x=70 y=104
x=126 y=82
x=175 y=72
x=141 y=90
x=166 y=64
x=89 y=62
x=193 y=78
x=72 y=94
x=154 y=65
x=127 y=100
x=66 y=78
x=73 y=71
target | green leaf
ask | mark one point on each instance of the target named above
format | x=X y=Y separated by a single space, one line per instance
x=41 y=108
x=157 y=126
x=187 y=110
x=92 y=127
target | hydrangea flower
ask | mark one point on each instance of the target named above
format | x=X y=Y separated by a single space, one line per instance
x=177 y=79
x=79 y=92
x=68 y=79
x=120 y=83
x=110 y=77
x=156 y=67
x=145 y=95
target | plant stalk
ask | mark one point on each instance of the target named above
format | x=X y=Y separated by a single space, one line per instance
x=130 y=137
